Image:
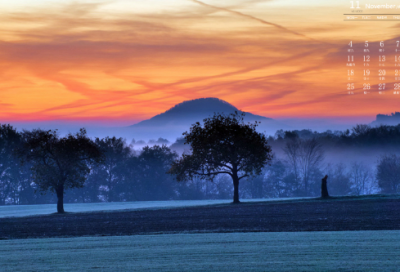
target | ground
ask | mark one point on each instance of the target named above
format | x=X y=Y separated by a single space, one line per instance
x=26 y=210
x=336 y=234
x=336 y=214
x=294 y=251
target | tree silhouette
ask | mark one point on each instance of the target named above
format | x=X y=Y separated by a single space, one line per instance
x=9 y=164
x=112 y=171
x=360 y=177
x=304 y=156
x=223 y=145
x=153 y=181
x=59 y=163
x=388 y=173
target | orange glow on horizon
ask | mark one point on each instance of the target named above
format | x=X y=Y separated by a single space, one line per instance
x=95 y=61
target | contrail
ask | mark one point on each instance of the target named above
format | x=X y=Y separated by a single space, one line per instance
x=254 y=18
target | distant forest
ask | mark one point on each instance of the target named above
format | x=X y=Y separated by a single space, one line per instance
x=363 y=160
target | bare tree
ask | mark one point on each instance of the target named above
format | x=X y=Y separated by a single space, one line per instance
x=339 y=179
x=361 y=178
x=274 y=185
x=292 y=151
x=360 y=129
x=304 y=156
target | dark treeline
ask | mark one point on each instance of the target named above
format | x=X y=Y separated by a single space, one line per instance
x=359 y=161
x=353 y=160
x=123 y=175
x=126 y=174
x=359 y=136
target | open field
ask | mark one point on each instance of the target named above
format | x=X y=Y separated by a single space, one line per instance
x=337 y=214
x=305 y=251
x=27 y=210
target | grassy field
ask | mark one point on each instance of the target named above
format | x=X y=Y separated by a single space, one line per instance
x=27 y=210
x=295 y=251
x=43 y=209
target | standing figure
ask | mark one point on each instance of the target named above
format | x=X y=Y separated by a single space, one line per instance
x=324 y=188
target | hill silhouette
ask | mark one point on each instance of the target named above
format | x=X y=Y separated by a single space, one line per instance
x=189 y=112
x=382 y=119
x=178 y=119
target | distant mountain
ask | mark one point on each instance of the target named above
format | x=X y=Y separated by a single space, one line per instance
x=189 y=112
x=382 y=119
x=172 y=123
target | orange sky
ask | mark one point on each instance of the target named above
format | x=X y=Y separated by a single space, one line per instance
x=123 y=61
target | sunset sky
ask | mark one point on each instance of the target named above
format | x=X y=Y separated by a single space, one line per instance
x=117 y=62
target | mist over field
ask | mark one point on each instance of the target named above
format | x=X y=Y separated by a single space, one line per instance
x=136 y=165
x=173 y=122
x=129 y=131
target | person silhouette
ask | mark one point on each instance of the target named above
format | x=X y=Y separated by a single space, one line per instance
x=324 y=188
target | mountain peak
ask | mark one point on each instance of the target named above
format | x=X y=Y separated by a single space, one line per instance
x=191 y=111
x=173 y=122
x=202 y=105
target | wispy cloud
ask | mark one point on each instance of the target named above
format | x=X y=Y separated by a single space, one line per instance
x=282 y=28
x=83 y=61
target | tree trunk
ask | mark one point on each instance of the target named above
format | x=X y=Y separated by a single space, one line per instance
x=60 y=199
x=110 y=189
x=306 y=185
x=235 y=189
x=324 y=188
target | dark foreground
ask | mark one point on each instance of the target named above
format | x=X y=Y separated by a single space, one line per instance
x=379 y=213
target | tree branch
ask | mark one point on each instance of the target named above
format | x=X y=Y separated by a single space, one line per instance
x=243 y=176
x=213 y=173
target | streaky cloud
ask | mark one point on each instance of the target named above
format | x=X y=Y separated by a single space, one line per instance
x=256 y=19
